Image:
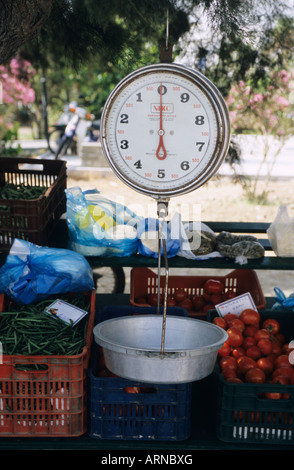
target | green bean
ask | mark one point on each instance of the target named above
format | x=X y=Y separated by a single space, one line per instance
x=28 y=330
x=21 y=191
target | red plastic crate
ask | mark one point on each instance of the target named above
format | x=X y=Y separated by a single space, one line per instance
x=50 y=401
x=144 y=282
x=31 y=220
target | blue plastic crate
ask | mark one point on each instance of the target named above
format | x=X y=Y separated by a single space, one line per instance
x=153 y=412
x=114 y=311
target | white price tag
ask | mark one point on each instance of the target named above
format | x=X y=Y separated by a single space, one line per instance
x=68 y=313
x=236 y=305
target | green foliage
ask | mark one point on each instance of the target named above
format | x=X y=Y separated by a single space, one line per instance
x=87 y=46
x=7 y=143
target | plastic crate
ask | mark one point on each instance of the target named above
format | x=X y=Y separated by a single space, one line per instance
x=31 y=220
x=244 y=415
x=156 y=412
x=49 y=401
x=114 y=311
x=130 y=410
x=144 y=282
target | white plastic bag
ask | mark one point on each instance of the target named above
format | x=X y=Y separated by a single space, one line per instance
x=281 y=233
x=193 y=243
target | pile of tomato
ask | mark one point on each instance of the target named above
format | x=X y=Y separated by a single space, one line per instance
x=213 y=293
x=256 y=350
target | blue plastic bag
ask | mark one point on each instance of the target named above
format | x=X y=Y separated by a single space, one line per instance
x=283 y=302
x=32 y=273
x=98 y=226
x=148 y=236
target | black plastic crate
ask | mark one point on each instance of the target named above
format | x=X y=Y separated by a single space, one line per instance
x=244 y=414
x=31 y=220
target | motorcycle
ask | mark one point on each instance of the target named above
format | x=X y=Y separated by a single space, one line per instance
x=57 y=130
x=80 y=126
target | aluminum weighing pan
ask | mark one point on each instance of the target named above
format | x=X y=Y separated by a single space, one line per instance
x=132 y=348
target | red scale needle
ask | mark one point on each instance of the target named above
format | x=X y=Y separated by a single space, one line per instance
x=161 y=152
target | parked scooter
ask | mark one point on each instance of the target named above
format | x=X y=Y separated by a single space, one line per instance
x=57 y=130
x=75 y=130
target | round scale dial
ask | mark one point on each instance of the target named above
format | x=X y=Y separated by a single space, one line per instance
x=165 y=130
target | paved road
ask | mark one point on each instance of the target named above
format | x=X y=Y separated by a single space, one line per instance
x=251 y=157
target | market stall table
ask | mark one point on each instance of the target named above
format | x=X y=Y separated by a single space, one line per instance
x=203 y=434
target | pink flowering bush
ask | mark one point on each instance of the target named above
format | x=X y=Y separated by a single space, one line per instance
x=266 y=111
x=15 y=90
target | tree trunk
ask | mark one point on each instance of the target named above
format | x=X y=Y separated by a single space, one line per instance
x=20 y=21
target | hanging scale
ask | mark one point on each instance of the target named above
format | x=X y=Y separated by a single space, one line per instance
x=165 y=131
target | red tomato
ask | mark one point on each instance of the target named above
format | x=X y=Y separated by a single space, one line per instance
x=216 y=298
x=180 y=294
x=280 y=337
x=266 y=364
x=237 y=323
x=245 y=363
x=284 y=372
x=186 y=304
x=255 y=375
x=152 y=299
x=229 y=294
x=265 y=346
x=248 y=341
x=219 y=321
x=250 y=317
x=235 y=337
x=238 y=352
x=132 y=389
x=286 y=348
x=250 y=330
x=261 y=334
x=171 y=302
x=272 y=357
x=253 y=352
x=276 y=348
x=198 y=302
x=229 y=373
x=228 y=362
x=229 y=317
x=234 y=380
x=225 y=350
x=207 y=298
x=282 y=361
x=273 y=395
x=280 y=379
x=272 y=325
x=207 y=307
x=213 y=286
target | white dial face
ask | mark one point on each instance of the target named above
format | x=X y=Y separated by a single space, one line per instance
x=163 y=131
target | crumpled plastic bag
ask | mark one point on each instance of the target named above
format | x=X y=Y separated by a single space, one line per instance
x=32 y=273
x=148 y=232
x=281 y=233
x=193 y=238
x=98 y=226
x=283 y=302
x=241 y=248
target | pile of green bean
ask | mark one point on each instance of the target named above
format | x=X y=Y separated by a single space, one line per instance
x=28 y=330
x=21 y=191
